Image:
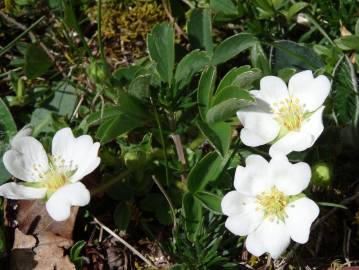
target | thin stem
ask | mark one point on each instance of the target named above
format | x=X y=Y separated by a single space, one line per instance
x=168 y=200
x=321 y=30
x=108 y=184
x=120 y=239
x=162 y=139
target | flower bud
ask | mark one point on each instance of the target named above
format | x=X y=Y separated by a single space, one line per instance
x=321 y=174
x=135 y=159
x=98 y=71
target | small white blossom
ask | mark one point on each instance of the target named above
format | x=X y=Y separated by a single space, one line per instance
x=289 y=118
x=54 y=177
x=268 y=205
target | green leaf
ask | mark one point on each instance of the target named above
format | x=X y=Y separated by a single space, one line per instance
x=231 y=91
x=218 y=134
x=115 y=126
x=232 y=46
x=189 y=65
x=228 y=108
x=37 y=62
x=132 y=106
x=348 y=43
x=259 y=59
x=210 y=201
x=286 y=73
x=231 y=75
x=41 y=120
x=97 y=117
x=205 y=90
x=345 y=92
x=64 y=101
x=287 y=53
x=224 y=6
x=69 y=14
x=7 y=131
x=122 y=216
x=247 y=79
x=206 y=170
x=200 y=29
x=75 y=250
x=140 y=87
x=328 y=204
x=357 y=28
x=193 y=215
x=7 y=123
x=160 y=44
x=295 y=8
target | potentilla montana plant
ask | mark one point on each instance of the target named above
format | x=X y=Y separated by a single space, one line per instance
x=268 y=205
x=290 y=118
x=54 y=178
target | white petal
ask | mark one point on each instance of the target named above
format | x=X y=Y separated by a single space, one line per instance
x=254 y=245
x=16 y=191
x=75 y=154
x=259 y=126
x=59 y=204
x=27 y=159
x=274 y=237
x=289 y=178
x=88 y=164
x=314 y=125
x=253 y=179
x=292 y=141
x=25 y=131
x=301 y=214
x=246 y=222
x=273 y=89
x=312 y=92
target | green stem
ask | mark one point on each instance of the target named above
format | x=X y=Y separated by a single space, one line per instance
x=162 y=142
x=110 y=183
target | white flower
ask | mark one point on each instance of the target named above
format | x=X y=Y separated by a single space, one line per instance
x=55 y=177
x=268 y=206
x=290 y=118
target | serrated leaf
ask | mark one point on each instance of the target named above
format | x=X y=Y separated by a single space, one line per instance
x=160 y=44
x=200 y=29
x=189 y=65
x=140 y=87
x=287 y=53
x=345 y=92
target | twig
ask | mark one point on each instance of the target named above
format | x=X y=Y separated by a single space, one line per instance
x=173 y=21
x=112 y=233
x=33 y=39
x=168 y=200
x=179 y=148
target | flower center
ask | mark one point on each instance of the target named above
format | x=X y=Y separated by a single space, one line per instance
x=289 y=113
x=54 y=180
x=272 y=203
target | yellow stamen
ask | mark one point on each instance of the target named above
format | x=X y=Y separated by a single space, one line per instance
x=289 y=113
x=273 y=203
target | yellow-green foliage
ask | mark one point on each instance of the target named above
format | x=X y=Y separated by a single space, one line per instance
x=129 y=24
